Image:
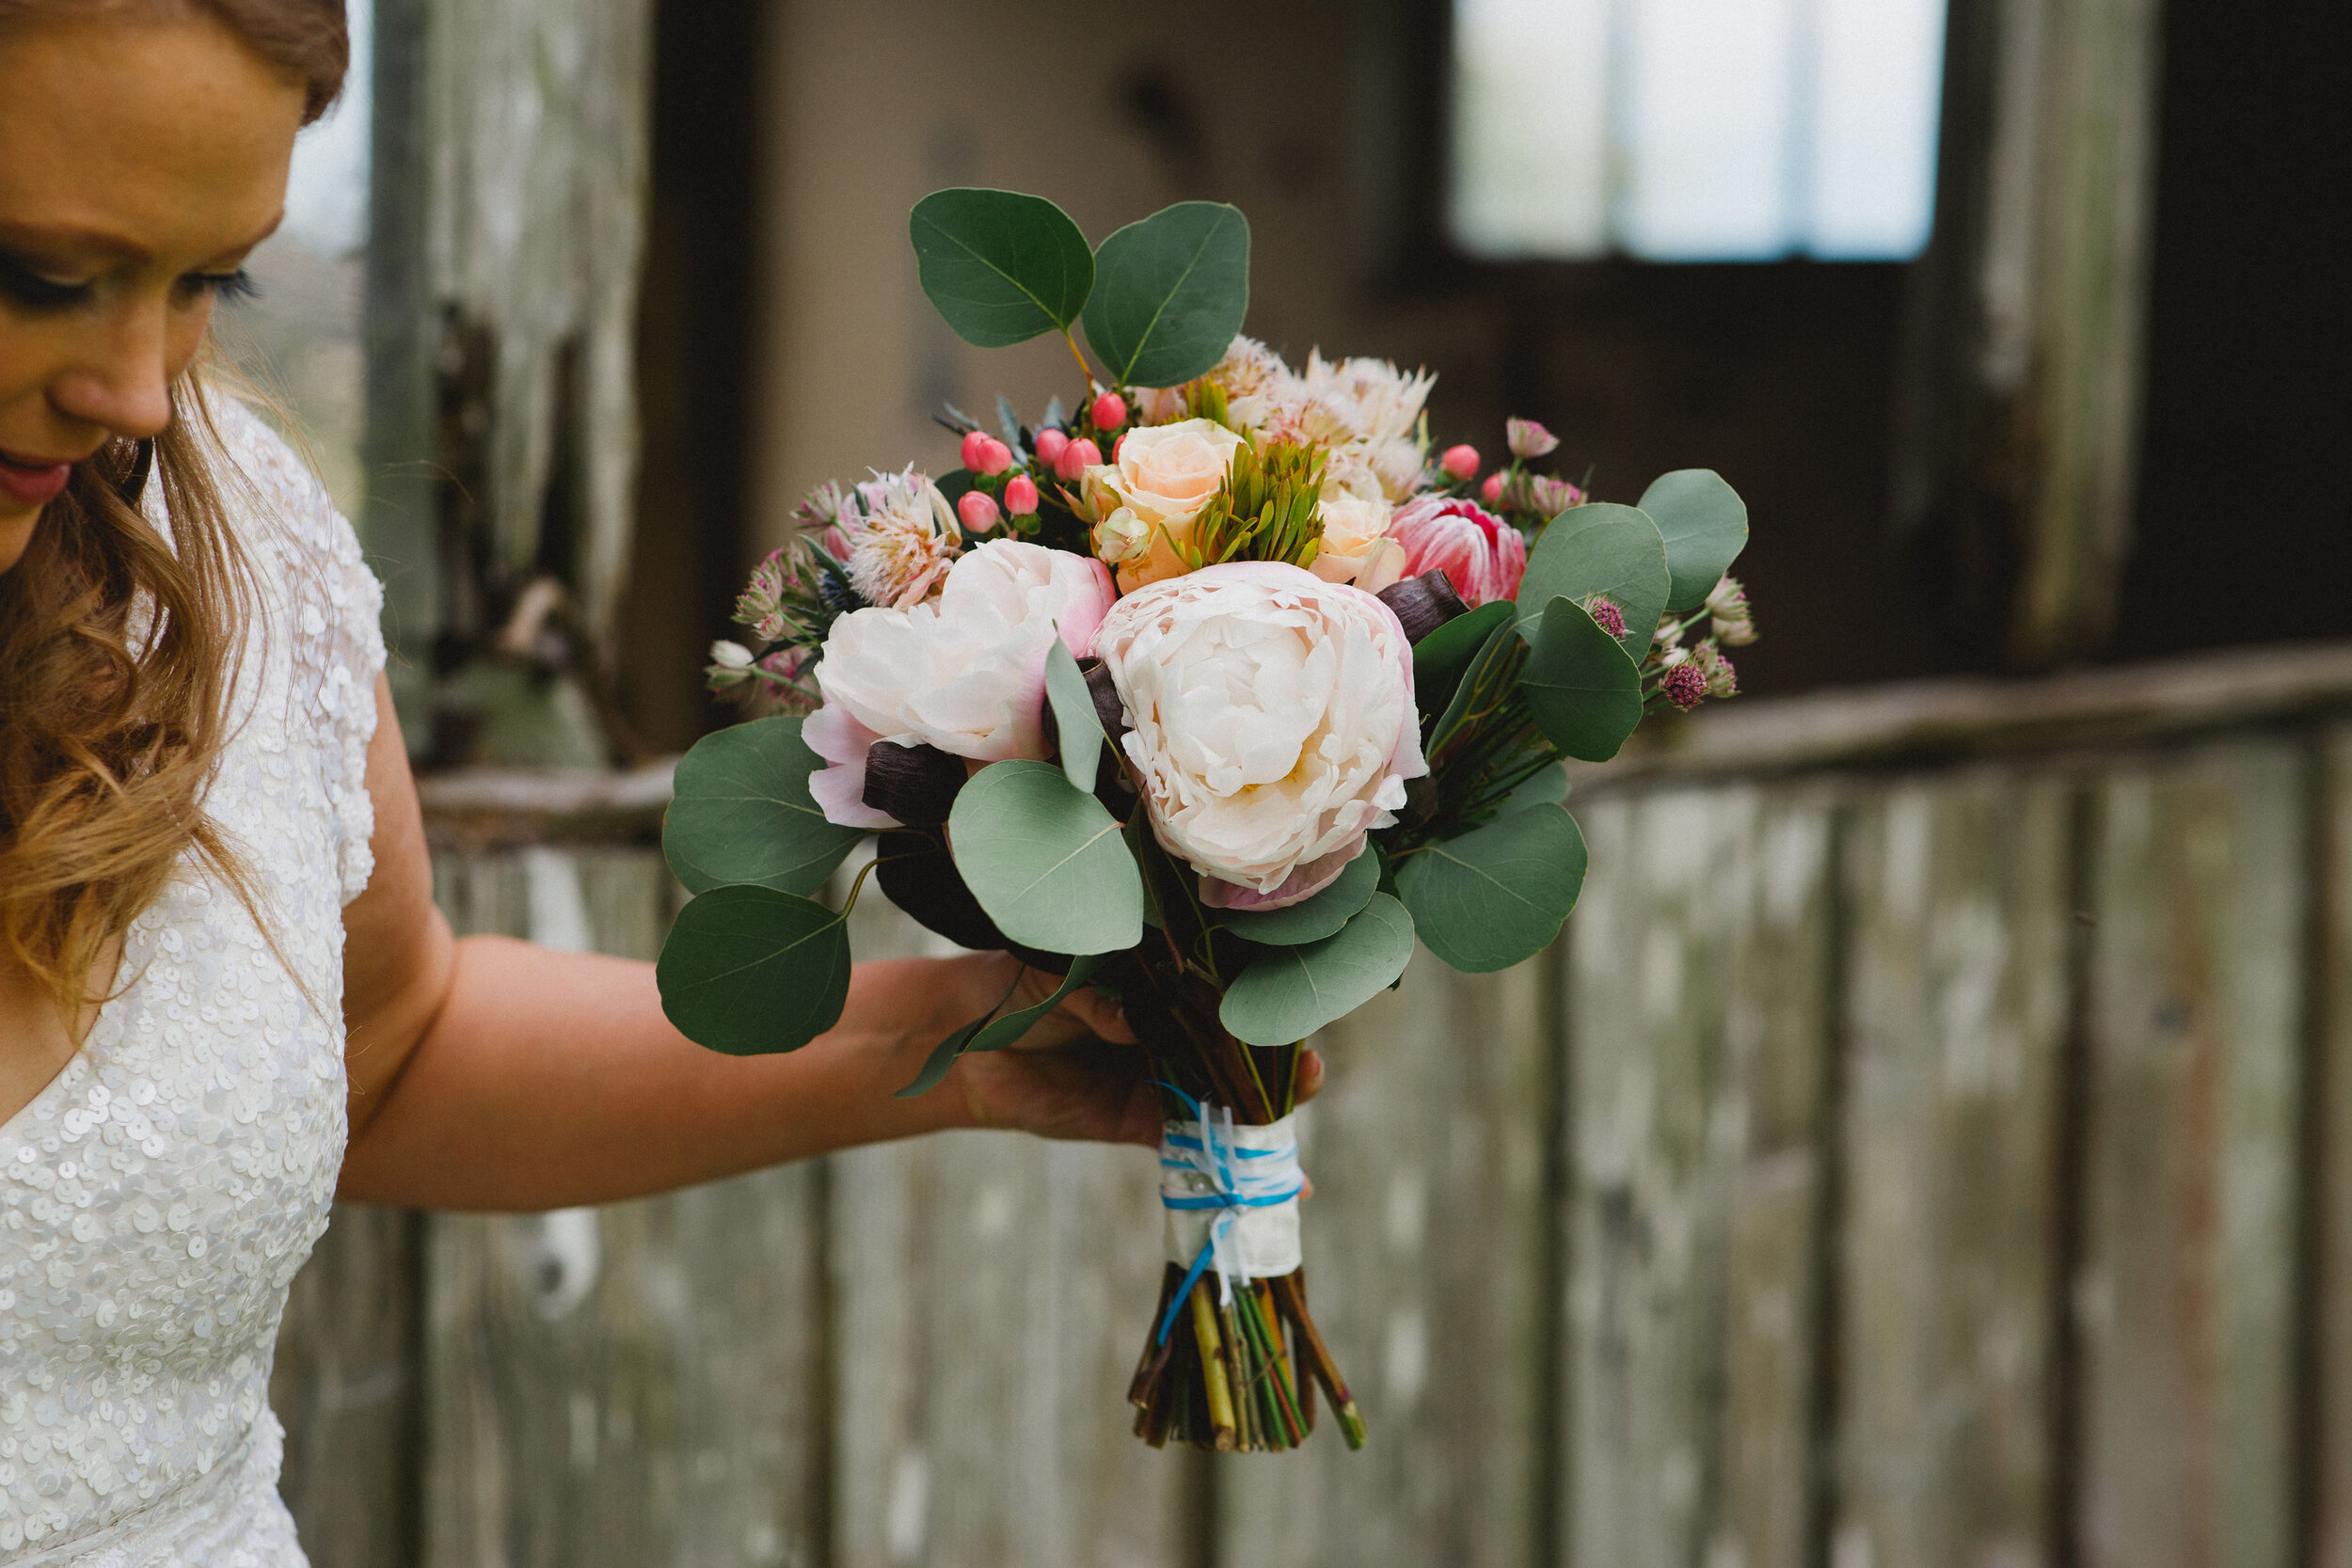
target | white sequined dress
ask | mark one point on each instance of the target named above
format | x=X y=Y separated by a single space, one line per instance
x=158 y=1195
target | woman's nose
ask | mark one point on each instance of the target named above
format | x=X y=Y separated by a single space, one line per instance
x=122 y=380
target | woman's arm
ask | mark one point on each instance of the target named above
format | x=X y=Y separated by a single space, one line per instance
x=486 y=1074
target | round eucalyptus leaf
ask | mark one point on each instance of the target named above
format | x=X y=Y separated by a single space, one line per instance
x=1001 y=267
x=1045 y=860
x=1496 y=895
x=749 y=970
x=1600 y=548
x=1310 y=919
x=741 y=812
x=1704 y=525
x=1077 y=728
x=1288 y=994
x=1169 y=292
x=1440 y=659
x=1585 y=691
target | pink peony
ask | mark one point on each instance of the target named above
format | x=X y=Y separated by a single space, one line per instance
x=1483 y=556
x=964 y=672
x=1272 y=723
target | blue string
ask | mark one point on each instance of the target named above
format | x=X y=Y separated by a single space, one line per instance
x=1227 y=1198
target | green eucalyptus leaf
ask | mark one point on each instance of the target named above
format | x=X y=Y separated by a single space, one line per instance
x=752 y=969
x=1170 y=293
x=1582 y=687
x=1547 y=786
x=1500 y=645
x=992 y=1032
x=1440 y=659
x=1601 y=548
x=1496 y=895
x=1045 y=860
x=1310 y=919
x=1001 y=267
x=742 y=814
x=1076 y=722
x=1704 y=525
x=1288 y=994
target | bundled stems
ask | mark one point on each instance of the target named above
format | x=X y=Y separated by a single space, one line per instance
x=1232 y=1374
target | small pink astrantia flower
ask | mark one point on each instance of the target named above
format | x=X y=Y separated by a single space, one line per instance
x=902 y=538
x=1483 y=556
x=1272 y=723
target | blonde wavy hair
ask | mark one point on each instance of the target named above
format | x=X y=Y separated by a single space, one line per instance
x=119 y=642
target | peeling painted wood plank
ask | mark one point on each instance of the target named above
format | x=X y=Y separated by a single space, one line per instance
x=990 y=1293
x=1424 y=1244
x=2184 y=1294
x=1957 y=1011
x=346 y=1383
x=1696 y=1026
x=641 y=1382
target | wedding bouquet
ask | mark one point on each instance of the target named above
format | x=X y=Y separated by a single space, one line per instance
x=1214 y=692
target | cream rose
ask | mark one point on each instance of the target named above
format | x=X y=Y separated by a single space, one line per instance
x=1272 y=723
x=964 y=672
x=1356 y=517
x=1162 y=477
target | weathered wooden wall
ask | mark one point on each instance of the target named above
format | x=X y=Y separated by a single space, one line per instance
x=1936 y=1161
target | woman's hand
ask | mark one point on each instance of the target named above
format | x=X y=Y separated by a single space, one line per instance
x=1077 y=1074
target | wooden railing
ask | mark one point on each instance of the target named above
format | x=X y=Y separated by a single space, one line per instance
x=1926 y=1147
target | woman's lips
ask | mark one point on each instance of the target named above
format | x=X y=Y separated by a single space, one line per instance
x=28 y=485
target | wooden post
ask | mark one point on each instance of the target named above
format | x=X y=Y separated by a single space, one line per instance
x=2018 y=461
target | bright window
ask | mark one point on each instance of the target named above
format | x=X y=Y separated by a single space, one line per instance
x=1696 y=130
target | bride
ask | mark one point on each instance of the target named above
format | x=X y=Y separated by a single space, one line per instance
x=226 y=996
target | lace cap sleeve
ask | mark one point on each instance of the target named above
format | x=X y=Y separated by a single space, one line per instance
x=335 y=608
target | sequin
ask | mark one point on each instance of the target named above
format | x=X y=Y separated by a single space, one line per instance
x=157 y=1198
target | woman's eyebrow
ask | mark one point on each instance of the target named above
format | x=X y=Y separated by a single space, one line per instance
x=79 y=238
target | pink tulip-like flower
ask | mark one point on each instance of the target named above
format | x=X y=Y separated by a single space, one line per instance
x=977 y=511
x=1272 y=723
x=1491 y=492
x=1529 y=439
x=1021 y=496
x=1109 y=411
x=963 y=672
x=1460 y=463
x=1075 y=459
x=1483 y=556
x=1050 y=444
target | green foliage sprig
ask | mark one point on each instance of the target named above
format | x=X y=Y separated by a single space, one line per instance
x=1269 y=508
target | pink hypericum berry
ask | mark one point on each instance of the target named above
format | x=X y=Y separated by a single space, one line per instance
x=1460 y=462
x=1049 y=446
x=1109 y=411
x=1076 y=459
x=1684 y=686
x=1019 y=496
x=995 y=457
x=1491 y=492
x=975 y=448
x=977 y=511
x=1607 y=617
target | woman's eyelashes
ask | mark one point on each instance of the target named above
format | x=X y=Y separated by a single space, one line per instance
x=26 y=287
x=29 y=289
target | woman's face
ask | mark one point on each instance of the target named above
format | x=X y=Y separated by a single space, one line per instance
x=140 y=160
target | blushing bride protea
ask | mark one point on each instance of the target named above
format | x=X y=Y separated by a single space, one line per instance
x=1274 y=723
x=902 y=538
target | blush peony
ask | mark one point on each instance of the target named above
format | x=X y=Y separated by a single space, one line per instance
x=964 y=672
x=1483 y=556
x=1274 y=723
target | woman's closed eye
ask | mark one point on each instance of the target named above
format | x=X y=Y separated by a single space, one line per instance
x=30 y=289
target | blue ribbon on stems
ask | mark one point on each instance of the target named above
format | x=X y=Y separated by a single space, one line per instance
x=1239 y=1179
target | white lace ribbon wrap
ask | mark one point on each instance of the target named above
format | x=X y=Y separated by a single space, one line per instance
x=1232 y=1192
